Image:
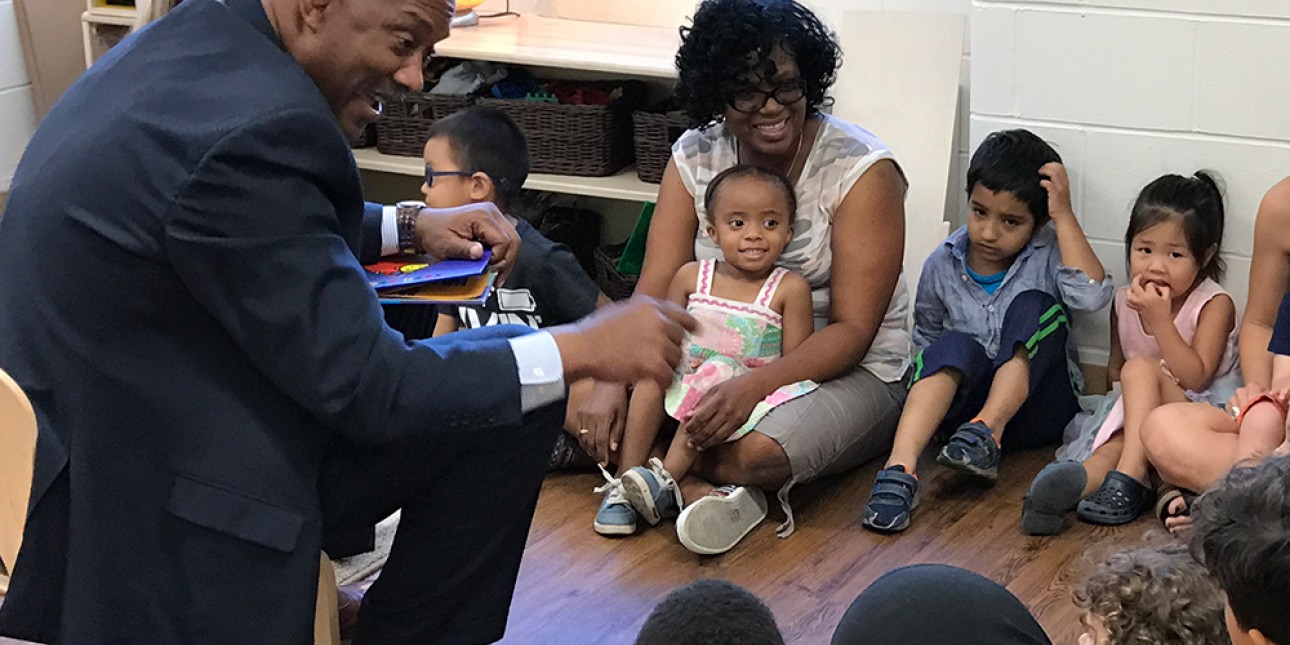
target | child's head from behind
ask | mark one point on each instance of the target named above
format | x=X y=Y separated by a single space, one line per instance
x=1151 y=595
x=710 y=612
x=750 y=215
x=1242 y=532
x=1006 y=202
x=479 y=155
x=1175 y=232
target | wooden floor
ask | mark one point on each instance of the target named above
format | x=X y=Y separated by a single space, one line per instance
x=578 y=587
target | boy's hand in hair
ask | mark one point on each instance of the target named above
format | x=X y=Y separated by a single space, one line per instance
x=1058 y=185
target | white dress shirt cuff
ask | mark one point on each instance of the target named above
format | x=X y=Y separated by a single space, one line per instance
x=541 y=370
x=389 y=231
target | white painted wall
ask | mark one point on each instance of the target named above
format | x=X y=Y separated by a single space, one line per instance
x=1132 y=89
x=17 y=116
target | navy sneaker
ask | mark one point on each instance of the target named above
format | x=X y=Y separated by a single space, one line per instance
x=893 y=498
x=652 y=492
x=972 y=450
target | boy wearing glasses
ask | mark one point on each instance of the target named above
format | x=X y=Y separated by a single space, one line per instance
x=480 y=155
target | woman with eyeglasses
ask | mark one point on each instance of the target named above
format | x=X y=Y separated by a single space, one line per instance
x=753 y=75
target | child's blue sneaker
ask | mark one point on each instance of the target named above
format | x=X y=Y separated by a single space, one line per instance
x=972 y=450
x=615 y=516
x=652 y=492
x=893 y=498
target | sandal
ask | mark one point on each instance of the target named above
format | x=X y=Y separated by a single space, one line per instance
x=1120 y=500
x=1166 y=499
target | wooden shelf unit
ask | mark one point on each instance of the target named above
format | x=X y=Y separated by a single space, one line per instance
x=568 y=44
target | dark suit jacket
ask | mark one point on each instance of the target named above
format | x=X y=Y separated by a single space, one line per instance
x=181 y=298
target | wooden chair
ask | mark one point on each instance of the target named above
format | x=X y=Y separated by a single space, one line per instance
x=17 y=461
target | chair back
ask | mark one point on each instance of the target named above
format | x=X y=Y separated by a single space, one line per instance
x=17 y=463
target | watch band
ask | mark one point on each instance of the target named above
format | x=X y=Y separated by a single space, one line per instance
x=405 y=214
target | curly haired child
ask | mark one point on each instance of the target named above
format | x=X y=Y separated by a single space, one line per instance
x=1151 y=595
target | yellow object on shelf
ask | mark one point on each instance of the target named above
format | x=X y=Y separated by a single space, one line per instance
x=466 y=5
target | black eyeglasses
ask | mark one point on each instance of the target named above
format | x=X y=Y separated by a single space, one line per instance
x=751 y=99
x=431 y=173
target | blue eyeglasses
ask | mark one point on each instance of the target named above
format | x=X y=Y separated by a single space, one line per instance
x=431 y=173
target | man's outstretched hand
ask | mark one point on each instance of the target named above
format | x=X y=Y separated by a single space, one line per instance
x=463 y=232
x=626 y=342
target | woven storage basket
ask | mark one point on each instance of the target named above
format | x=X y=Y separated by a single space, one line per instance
x=401 y=130
x=614 y=283
x=654 y=134
x=581 y=140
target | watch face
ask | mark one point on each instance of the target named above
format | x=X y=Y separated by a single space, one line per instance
x=410 y=205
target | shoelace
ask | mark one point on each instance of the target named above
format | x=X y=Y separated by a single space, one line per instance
x=665 y=479
x=613 y=484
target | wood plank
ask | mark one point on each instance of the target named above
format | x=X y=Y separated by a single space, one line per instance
x=578 y=587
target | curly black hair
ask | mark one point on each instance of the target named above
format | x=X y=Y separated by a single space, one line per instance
x=731 y=39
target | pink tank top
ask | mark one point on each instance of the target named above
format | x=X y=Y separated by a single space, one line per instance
x=1134 y=341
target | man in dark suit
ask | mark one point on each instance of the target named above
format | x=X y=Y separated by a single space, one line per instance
x=216 y=393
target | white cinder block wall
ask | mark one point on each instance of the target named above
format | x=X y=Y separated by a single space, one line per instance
x=17 y=115
x=832 y=10
x=1128 y=90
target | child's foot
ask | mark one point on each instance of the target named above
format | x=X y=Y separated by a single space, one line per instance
x=893 y=498
x=972 y=450
x=615 y=516
x=1054 y=493
x=716 y=522
x=1173 y=508
x=1120 y=500
x=652 y=492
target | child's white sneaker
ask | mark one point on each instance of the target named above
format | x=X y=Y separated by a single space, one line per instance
x=717 y=522
x=652 y=492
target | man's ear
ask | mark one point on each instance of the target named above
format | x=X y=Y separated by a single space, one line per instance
x=313 y=13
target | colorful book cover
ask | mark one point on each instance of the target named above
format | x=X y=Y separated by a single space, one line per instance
x=471 y=290
x=400 y=274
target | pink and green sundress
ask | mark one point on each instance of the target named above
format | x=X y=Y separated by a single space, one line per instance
x=733 y=338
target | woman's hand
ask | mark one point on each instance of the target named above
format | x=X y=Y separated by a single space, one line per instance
x=722 y=410
x=601 y=419
x=1242 y=395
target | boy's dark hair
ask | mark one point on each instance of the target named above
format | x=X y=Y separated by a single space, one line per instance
x=733 y=39
x=1242 y=534
x=485 y=139
x=748 y=170
x=710 y=612
x=1009 y=160
x=1154 y=595
x=1198 y=202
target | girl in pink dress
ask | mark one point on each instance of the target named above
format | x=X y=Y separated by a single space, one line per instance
x=1173 y=339
x=750 y=312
